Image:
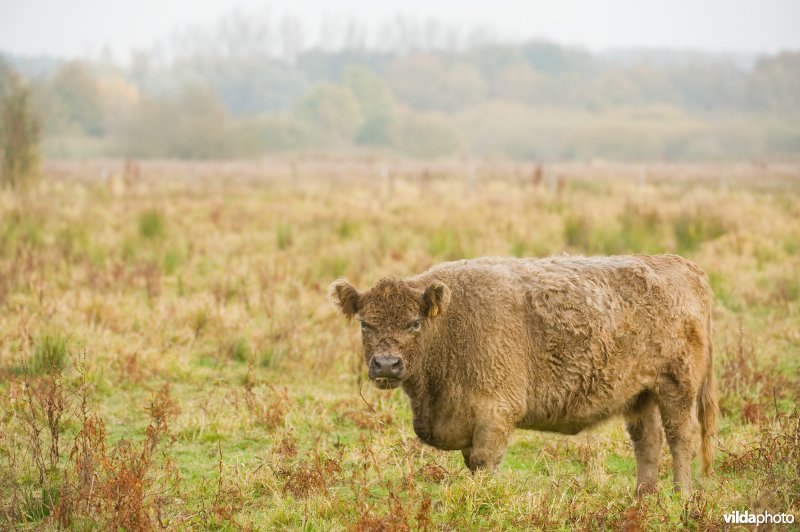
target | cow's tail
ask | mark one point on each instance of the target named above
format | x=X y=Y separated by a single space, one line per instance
x=707 y=409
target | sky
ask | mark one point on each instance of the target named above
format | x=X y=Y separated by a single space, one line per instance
x=79 y=28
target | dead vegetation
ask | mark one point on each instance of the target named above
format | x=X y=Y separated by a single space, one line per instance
x=117 y=485
x=212 y=280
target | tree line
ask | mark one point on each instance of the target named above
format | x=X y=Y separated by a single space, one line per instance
x=218 y=96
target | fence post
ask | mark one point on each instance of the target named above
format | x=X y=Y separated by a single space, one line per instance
x=470 y=175
x=295 y=175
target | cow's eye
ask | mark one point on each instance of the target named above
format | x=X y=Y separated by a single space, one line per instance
x=416 y=325
x=364 y=327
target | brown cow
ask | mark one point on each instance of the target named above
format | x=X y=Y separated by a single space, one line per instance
x=484 y=346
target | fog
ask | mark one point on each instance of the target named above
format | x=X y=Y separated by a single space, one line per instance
x=86 y=27
x=571 y=80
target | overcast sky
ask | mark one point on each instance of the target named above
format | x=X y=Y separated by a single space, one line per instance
x=73 y=28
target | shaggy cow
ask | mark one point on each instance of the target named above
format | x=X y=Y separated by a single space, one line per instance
x=484 y=346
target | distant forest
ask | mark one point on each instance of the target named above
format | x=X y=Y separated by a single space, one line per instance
x=251 y=86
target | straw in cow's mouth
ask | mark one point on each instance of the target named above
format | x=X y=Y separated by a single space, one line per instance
x=386 y=384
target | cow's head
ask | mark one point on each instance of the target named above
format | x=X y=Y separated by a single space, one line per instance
x=396 y=320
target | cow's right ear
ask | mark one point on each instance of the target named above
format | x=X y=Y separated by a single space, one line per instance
x=344 y=296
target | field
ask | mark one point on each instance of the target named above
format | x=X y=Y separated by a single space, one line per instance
x=168 y=356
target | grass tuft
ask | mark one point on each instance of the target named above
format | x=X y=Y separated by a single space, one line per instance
x=283 y=236
x=151 y=224
x=692 y=228
x=49 y=354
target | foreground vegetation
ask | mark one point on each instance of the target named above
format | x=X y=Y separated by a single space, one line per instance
x=168 y=356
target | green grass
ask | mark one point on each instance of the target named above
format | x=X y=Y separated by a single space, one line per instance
x=283 y=236
x=448 y=243
x=49 y=354
x=262 y=370
x=694 y=228
x=173 y=259
x=18 y=229
x=239 y=350
x=151 y=224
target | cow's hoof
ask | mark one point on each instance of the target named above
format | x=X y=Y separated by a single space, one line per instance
x=646 y=488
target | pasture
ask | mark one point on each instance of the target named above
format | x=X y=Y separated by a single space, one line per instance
x=168 y=356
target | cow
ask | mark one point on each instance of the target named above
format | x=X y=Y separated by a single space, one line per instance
x=487 y=345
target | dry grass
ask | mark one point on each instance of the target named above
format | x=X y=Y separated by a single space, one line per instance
x=169 y=358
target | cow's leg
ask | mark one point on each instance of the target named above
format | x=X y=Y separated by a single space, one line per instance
x=489 y=441
x=644 y=428
x=466 y=452
x=675 y=400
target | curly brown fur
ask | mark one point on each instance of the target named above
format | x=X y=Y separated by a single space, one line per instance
x=558 y=344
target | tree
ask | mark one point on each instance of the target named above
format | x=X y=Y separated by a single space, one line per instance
x=776 y=82
x=19 y=135
x=432 y=82
x=376 y=103
x=333 y=110
x=78 y=94
x=193 y=124
x=428 y=135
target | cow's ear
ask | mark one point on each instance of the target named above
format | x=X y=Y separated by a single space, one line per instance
x=435 y=299
x=344 y=296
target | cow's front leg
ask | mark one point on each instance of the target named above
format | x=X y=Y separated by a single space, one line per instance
x=489 y=441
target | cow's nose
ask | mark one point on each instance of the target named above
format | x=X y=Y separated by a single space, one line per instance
x=385 y=367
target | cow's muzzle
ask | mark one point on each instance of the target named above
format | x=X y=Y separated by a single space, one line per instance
x=386 y=371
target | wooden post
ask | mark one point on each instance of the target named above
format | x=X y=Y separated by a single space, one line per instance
x=295 y=175
x=723 y=178
x=552 y=180
x=386 y=178
x=642 y=177
x=470 y=175
x=537 y=175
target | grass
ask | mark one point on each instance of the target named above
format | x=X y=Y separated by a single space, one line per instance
x=151 y=224
x=200 y=377
x=694 y=228
x=283 y=236
x=49 y=355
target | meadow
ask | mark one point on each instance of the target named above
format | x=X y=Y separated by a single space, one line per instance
x=169 y=358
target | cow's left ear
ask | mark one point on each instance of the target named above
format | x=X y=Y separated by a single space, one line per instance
x=435 y=299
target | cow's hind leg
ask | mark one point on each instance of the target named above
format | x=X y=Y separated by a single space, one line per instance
x=644 y=427
x=466 y=452
x=675 y=400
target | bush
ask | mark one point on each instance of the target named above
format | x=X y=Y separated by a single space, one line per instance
x=19 y=136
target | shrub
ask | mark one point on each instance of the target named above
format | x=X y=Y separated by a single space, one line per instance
x=19 y=136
